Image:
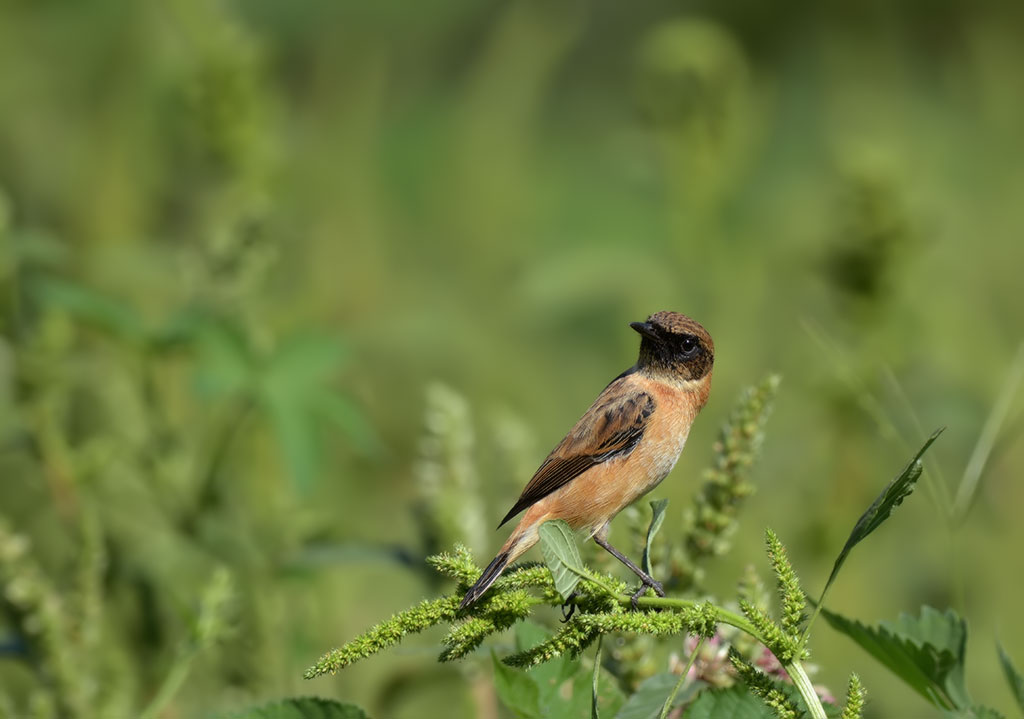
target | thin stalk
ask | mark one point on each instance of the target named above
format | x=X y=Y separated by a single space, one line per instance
x=682 y=679
x=594 y=714
x=170 y=686
x=983 y=448
x=803 y=684
x=806 y=637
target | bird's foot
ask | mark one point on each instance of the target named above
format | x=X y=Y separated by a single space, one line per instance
x=647 y=583
x=570 y=603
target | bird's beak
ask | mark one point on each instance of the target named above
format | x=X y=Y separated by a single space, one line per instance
x=645 y=328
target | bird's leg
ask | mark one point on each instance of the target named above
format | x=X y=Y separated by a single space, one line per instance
x=570 y=602
x=647 y=579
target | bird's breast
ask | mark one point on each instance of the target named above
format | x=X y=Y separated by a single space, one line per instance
x=597 y=495
x=658 y=453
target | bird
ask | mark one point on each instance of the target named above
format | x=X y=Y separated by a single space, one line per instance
x=622 y=447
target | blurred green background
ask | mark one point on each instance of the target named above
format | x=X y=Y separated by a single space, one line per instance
x=241 y=242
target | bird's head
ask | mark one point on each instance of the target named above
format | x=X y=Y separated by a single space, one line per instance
x=675 y=348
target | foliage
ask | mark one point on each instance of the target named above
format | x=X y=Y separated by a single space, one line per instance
x=893 y=495
x=712 y=517
x=555 y=688
x=927 y=652
x=562 y=556
x=599 y=608
x=294 y=295
x=1013 y=677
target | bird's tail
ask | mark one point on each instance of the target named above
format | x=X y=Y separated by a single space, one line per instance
x=518 y=543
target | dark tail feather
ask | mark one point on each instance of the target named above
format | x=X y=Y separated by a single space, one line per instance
x=493 y=571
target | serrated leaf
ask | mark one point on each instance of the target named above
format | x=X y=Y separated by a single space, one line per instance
x=649 y=698
x=733 y=703
x=558 y=545
x=879 y=511
x=302 y=708
x=657 y=519
x=516 y=689
x=927 y=652
x=1012 y=676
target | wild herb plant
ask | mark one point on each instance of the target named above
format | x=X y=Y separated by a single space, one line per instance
x=763 y=651
x=185 y=181
x=131 y=562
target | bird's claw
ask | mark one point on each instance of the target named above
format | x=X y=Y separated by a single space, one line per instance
x=645 y=584
x=570 y=602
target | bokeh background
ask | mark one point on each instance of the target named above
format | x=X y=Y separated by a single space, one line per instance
x=274 y=275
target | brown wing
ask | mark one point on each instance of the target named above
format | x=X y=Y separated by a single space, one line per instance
x=611 y=428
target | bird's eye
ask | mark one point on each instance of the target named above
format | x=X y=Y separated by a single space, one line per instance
x=690 y=345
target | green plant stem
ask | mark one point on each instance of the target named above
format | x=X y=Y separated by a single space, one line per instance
x=682 y=679
x=722 y=616
x=803 y=684
x=987 y=440
x=810 y=622
x=594 y=714
x=170 y=686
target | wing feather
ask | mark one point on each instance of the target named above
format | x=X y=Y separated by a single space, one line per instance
x=611 y=428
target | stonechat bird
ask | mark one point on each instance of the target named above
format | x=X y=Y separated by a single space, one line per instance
x=622 y=447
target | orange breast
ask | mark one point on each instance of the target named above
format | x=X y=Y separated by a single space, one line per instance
x=597 y=495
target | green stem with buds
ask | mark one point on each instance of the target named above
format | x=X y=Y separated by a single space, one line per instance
x=723 y=616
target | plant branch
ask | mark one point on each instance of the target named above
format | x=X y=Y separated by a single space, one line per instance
x=719 y=615
x=682 y=679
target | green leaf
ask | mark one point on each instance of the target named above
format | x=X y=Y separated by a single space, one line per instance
x=303 y=708
x=927 y=651
x=516 y=689
x=297 y=434
x=225 y=363
x=733 y=703
x=558 y=545
x=657 y=518
x=346 y=416
x=86 y=304
x=1012 y=676
x=550 y=675
x=649 y=698
x=561 y=688
x=294 y=390
x=304 y=362
x=879 y=511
